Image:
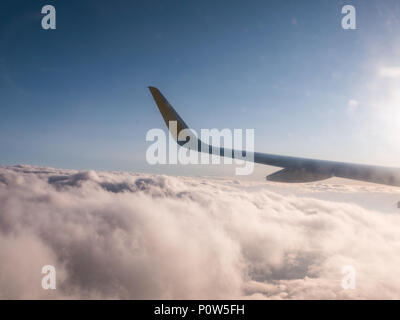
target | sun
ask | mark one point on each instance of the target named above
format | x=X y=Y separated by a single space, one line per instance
x=383 y=105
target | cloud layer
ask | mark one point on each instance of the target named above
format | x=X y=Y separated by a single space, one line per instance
x=124 y=235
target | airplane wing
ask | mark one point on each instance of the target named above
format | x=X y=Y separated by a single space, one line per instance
x=294 y=169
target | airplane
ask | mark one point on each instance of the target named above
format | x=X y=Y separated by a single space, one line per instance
x=294 y=170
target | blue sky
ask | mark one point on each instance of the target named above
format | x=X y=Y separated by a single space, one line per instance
x=76 y=97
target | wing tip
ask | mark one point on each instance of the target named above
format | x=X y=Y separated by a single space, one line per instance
x=151 y=88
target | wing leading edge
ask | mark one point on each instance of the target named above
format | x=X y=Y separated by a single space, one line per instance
x=294 y=169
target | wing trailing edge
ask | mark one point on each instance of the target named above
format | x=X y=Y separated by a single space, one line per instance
x=297 y=175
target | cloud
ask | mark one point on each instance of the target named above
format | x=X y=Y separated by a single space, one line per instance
x=352 y=106
x=125 y=235
x=389 y=72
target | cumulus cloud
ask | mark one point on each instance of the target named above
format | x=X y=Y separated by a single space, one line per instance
x=125 y=235
x=389 y=72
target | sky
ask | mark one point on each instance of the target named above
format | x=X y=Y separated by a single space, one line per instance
x=76 y=97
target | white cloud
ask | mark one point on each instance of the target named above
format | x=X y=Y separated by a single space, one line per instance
x=125 y=235
x=389 y=72
x=352 y=106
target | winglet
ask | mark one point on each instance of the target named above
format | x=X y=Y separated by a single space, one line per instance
x=167 y=111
